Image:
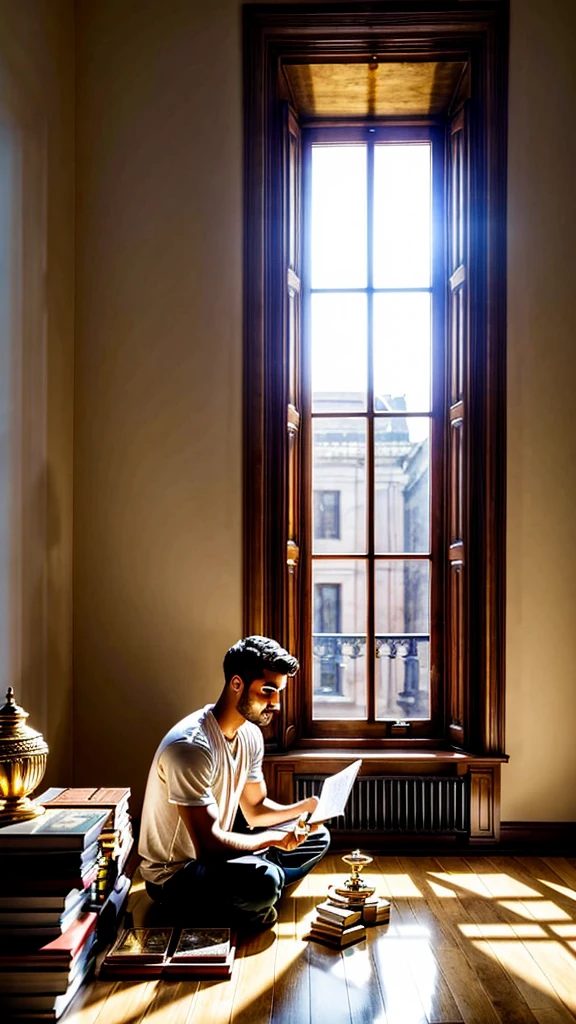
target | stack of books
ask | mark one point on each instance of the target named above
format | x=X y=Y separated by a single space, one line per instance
x=111 y=886
x=43 y=982
x=337 y=926
x=48 y=866
x=171 y=953
x=374 y=910
x=341 y=921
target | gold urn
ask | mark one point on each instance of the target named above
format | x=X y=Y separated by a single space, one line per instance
x=23 y=754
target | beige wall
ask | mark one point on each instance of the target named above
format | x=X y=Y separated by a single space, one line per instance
x=158 y=372
x=540 y=781
x=37 y=119
x=158 y=384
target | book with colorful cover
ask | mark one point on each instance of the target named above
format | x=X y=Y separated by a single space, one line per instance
x=141 y=944
x=57 y=829
x=182 y=970
x=171 y=953
x=115 y=799
x=198 y=944
x=47 y=980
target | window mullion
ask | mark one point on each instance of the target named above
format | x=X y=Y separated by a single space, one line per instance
x=371 y=618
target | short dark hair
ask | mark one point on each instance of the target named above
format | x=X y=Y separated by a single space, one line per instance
x=251 y=656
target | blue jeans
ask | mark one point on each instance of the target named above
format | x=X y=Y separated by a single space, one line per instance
x=240 y=890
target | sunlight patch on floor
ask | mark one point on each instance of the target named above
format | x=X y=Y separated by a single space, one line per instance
x=565 y=931
x=559 y=965
x=472 y=883
x=403 y=1001
x=163 y=1013
x=504 y=886
x=524 y=967
x=502 y=931
x=538 y=910
x=401 y=886
x=91 y=1010
x=360 y=966
x=570 y=893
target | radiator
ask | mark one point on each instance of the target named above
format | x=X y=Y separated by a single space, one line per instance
x=398 y=804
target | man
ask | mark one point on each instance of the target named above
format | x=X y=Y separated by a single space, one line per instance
x=205 y=768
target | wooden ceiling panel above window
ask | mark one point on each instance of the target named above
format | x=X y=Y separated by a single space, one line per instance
x=399 y=89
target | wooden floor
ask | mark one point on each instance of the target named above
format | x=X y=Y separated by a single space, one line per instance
x=471 y=941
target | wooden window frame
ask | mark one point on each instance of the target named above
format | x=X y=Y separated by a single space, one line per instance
x=274 y=543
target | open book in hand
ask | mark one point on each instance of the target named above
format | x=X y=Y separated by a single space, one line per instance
x=333 y=798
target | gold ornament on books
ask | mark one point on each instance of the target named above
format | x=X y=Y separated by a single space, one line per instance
x=355 y=890
x=23 y=755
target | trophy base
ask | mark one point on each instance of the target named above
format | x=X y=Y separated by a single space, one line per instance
x=354 y=897
x=22 y=809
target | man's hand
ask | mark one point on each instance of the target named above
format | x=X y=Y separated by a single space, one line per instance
x=288 y=840
x=291 y=840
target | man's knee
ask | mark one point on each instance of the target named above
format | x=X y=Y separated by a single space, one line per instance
x=267 y=884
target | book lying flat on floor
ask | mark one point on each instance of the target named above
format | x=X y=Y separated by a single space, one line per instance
x=337 y=939
x=170 y=952
x=344 y=917
x=148 y=945
x=199 y=944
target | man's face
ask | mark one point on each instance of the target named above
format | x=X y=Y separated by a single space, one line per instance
x=259 y=701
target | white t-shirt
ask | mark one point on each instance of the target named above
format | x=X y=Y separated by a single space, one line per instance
x=194 y=766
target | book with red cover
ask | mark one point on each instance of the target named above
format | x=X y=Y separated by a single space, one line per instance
x=60 y=951
x=116 y=799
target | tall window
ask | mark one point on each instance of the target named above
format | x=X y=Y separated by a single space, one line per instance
x=375 y=367
x=369 y=286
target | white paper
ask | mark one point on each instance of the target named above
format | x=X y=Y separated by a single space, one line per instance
x=335 y=793
x=333 y=798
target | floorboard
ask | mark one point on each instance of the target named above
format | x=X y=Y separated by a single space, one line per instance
x=472 y=940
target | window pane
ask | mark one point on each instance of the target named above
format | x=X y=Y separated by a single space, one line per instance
x=327 y=515
x=402 y=639
x=339 y=347
x=402 y=480
x=338 y=216
x=402 y=216
x=402 y=343
x=339 y=639
x=339 y=469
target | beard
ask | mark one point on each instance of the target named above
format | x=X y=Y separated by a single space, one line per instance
x=248 y=711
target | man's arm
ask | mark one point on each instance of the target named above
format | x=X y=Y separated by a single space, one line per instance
x=207 y=836
x=261 y=812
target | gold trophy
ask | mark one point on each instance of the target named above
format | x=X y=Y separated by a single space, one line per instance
x=354 y=890
x=23 y=754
